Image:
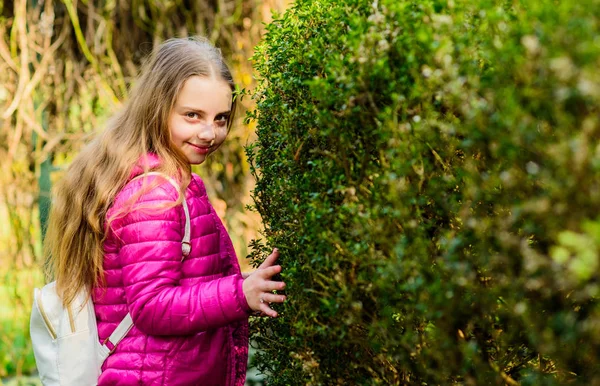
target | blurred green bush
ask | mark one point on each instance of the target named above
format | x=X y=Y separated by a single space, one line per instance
x=430 y=171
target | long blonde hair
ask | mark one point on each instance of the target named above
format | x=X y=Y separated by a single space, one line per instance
x=77 y=225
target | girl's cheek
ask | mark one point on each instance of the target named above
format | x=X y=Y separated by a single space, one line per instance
x=190 y=128
x=223 y=133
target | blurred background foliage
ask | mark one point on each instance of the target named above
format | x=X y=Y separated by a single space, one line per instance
x=430 y=171
x=65 y=66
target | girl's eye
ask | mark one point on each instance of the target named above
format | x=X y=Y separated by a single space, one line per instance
x=222 y=120
x=192 y=115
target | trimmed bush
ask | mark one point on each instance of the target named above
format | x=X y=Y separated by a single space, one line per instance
x=430 y=172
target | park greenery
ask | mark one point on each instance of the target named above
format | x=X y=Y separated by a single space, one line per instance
x=430 y=173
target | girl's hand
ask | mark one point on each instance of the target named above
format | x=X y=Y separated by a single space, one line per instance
x=259 y=286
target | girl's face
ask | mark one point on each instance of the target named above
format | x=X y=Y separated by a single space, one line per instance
x=198 y=120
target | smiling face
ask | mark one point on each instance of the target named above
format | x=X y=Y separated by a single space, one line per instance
x=198 y=120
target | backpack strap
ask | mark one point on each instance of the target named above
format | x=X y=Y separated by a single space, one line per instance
x=186 y=246
x=127 y=323
x=118 y=334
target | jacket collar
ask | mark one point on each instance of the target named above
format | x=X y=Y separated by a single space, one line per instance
x=146 y=162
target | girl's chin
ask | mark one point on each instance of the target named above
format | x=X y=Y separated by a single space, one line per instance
x=196 y=159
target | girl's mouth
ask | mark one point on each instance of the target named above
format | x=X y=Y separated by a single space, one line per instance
x=200 y=149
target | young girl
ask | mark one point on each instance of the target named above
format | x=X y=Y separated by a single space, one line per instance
x=117 y=232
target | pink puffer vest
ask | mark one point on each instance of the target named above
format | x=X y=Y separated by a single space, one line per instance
x=190 y=316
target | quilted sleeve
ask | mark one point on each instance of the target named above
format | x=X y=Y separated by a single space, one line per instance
x=150 y=257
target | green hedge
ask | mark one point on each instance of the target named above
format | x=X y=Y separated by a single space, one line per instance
x=430 y=172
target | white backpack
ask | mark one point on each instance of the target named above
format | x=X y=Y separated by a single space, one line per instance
x=65 y=340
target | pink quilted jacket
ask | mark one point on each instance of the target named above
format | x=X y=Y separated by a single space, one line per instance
x=190 y=316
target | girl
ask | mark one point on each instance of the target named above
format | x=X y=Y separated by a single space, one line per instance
x=117 y=232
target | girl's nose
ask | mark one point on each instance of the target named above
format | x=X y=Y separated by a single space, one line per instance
x=207 y=133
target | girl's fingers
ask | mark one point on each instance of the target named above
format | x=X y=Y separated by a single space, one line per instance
x=261 y=281
x=265 y=300
x=273 y=298
x=269 y=286
x=268 y=311
x=269 y=272
x=270 y=260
